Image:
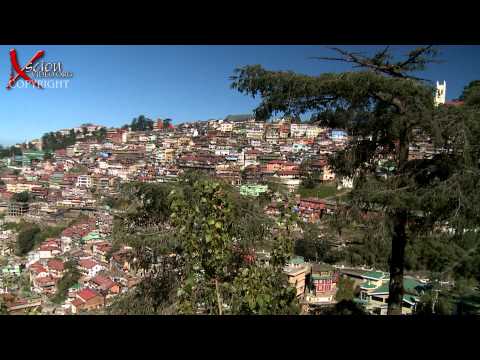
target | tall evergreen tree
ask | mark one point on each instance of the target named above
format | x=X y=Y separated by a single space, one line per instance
x=382 y=107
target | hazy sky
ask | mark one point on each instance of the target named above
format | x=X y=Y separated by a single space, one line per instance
x=113 y=84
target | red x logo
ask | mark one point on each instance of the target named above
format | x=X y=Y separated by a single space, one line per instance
x=21 y=71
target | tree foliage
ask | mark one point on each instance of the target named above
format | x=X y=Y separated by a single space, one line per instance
x=471 y=94
x=346 y=289
x=69 y=279
x=31 y=235
x=210 y=233
x=9 y=151
x=55 y=141
x=26 y=240
x=311 y=245
x=140 y=123
x=263 y=291
x=22 y=197
x=383 y=107
x=3 y=307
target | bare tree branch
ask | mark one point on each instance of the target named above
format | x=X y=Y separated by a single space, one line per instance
x=379 y=62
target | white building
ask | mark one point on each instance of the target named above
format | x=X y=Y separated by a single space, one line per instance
x=255 y=131
x=226 y=127
x=84 y=181
x=328 y=174
x=313 y=131
x=299 y=130
x=440 y=94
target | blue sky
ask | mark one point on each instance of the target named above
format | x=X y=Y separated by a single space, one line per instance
x=114 y=84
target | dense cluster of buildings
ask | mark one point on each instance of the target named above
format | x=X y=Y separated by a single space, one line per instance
x=317 y=284
x=69 y=183
x=238 y=149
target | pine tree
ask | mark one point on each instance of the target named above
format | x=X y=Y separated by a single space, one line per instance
x=382 y=107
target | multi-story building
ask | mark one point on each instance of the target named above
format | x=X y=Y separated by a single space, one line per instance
x=297 y=271
x=255 y=131
x=299 y=130
x=84 y=181
x=311 y=209
x=17 y=209
x=322 y=286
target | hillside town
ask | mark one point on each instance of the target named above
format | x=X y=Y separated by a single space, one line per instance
x=67 y=188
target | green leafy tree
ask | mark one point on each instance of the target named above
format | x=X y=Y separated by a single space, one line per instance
x=193 y=242
x=141 y=124
x=382 y=108
x=26 y=240
x=55 y=141
x=344 y=307
x=155 y=294
x=69 y=279
x=166 y=123
x=22 y=197
x=434 y=303
x=217 y=279
x=471 y=93
x=311 y=245
x=204 y=232
x=263 y=291
x=346 y=289
x=3 y=307
x=10 y=151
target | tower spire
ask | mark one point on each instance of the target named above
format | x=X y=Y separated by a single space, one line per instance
x=440 y=94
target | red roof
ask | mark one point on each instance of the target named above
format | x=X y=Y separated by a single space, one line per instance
x=103 y=281
x=87 y=263
x=313 y=203
x=276 y=162
x=49 y=247
x=103 y=247
x=87 y=294
x=45 y=281
x=77 y=302
x=37 y=268
x=55 y=264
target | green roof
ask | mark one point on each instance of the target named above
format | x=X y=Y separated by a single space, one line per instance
x=297 y=260
x=383 y=289
x=376 y=275
x=94 y=235
x=410 y=285
x=410 y=299
x=368 y=285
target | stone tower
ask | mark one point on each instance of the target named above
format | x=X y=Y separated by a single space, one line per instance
x=440 y=93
